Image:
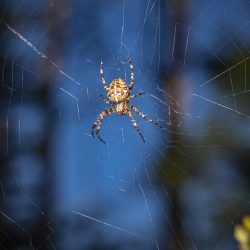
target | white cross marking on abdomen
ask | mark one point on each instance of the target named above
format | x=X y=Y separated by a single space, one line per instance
x=116 y=94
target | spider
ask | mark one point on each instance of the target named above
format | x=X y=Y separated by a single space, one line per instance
x=119 y=96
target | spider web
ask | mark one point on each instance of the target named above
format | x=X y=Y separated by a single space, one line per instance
x=186 y=187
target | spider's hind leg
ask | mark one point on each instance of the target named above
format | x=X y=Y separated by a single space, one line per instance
x=138 y=94
x=106 y=101
x=102 y=77
x=131 y=84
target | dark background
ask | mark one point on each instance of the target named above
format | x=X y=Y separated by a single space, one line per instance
x=186 y=187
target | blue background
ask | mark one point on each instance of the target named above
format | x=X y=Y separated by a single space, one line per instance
x=186 y=187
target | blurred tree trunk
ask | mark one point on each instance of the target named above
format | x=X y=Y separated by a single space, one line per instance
x=37 y=229
x=174 y=88
x=57 y=19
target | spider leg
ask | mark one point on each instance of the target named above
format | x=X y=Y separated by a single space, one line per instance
x=144 y=116
x=97 y=125
x=102 y=77
x=138 y=94
x=130 y=87
x=135 y=124
x=106 y=101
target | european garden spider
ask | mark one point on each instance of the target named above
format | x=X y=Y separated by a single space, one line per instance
x=119 y=95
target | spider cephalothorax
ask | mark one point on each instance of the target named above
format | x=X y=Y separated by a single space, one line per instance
x=119 y=95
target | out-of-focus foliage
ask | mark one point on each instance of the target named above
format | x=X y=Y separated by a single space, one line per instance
x=242 y=234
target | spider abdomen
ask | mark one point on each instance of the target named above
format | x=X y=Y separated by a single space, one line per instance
x=118 y=91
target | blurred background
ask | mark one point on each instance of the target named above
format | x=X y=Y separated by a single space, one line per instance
x=186 y=187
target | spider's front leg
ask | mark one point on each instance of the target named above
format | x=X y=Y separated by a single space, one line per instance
x=97 y=125
x=135 y=124
x=144 y=116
